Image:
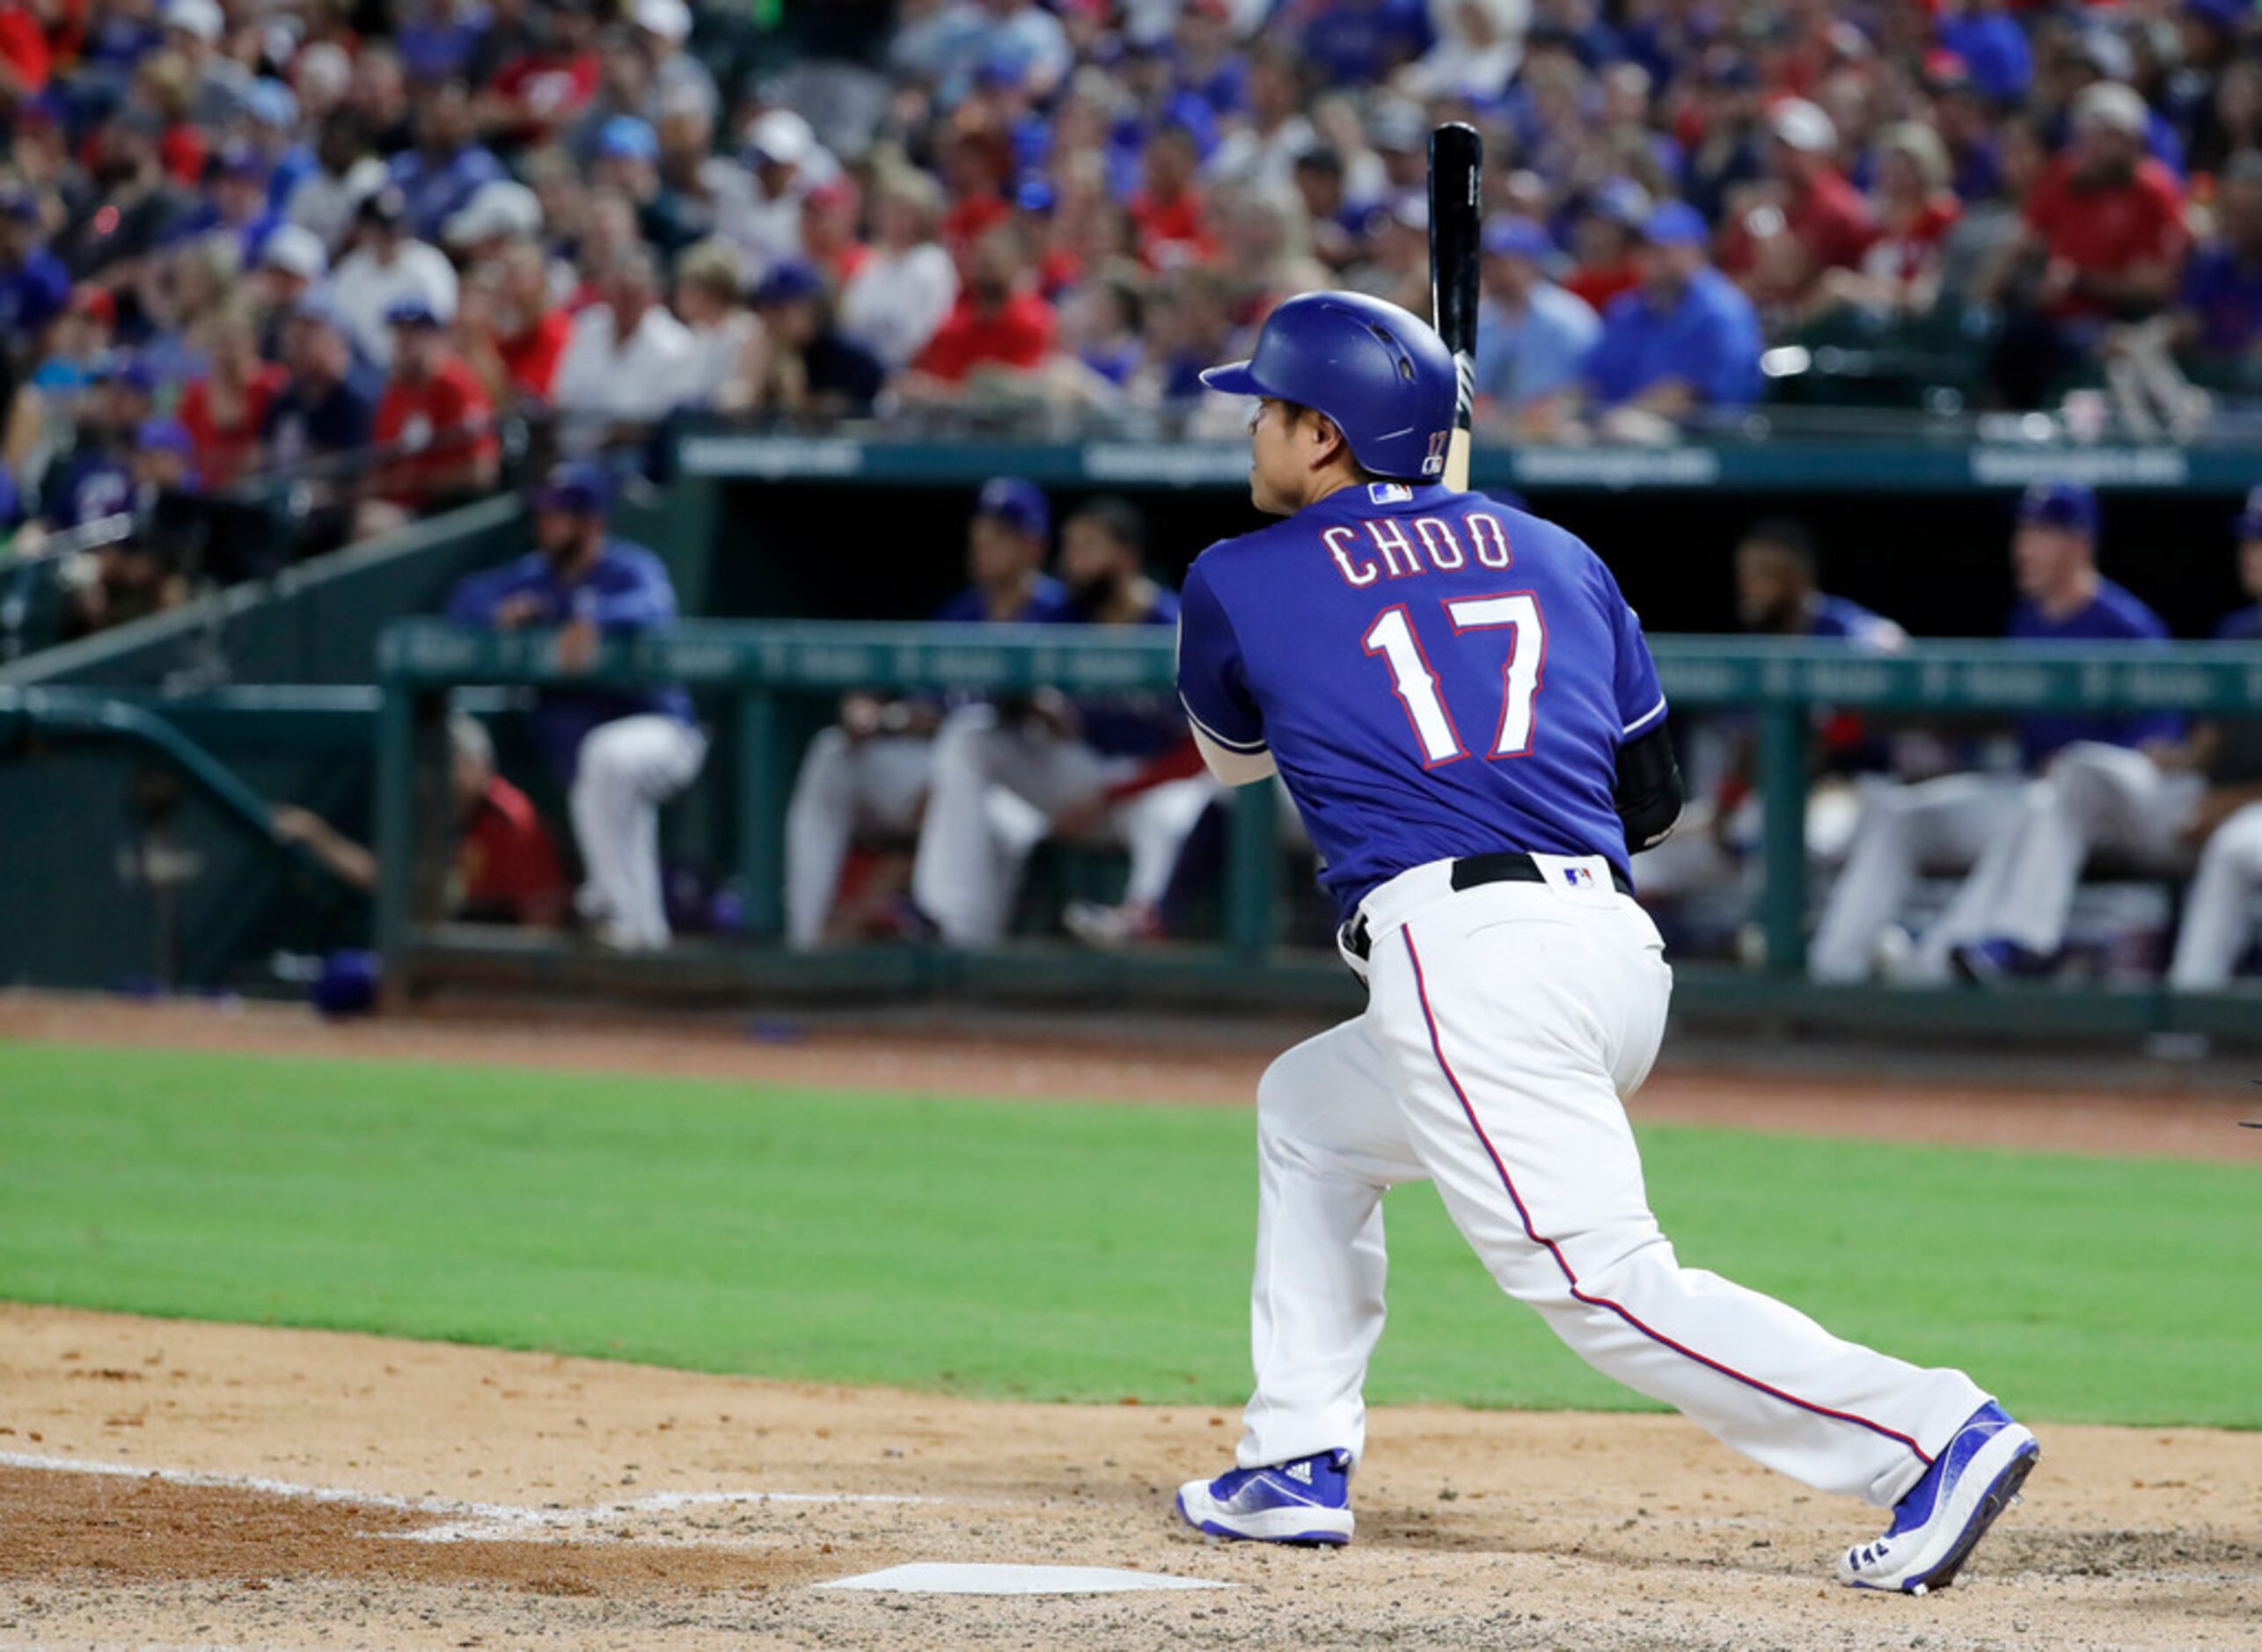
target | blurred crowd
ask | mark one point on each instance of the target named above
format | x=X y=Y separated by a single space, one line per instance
x=353 y=250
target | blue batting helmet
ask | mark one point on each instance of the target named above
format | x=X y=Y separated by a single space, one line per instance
x=1382 y=373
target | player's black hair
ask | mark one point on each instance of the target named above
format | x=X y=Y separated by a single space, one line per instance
x=1787 y=536
x=1119 y=517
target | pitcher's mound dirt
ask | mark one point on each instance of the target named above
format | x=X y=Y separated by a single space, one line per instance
x=1477 y=1529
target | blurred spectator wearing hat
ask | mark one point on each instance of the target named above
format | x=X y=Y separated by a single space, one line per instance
x=503 y=867
x=730 y=358
x=511 y=329
x=1000 y=326
x=2105 y=226
x=787 y=162
x=1974 y=820
x=388 y=266
x=907 y=287
x=1531 y=336
x=868 y=774
x=435 y=426
x=35 y=286
x=628 y=363
x=98 y=480
x=814 y=372
x=621 y=754
x=1166 y=211
x=1685 y=339
x=219 y=84
x=325 y=412
x=224 y=410
x=290 y=264
x=497 y=214
x=1807 y=219
x=235 y=201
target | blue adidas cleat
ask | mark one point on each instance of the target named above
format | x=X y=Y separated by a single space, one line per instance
x=1307 y=1500
x=1936 y=1526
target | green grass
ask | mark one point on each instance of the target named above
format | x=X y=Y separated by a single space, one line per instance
x=1052 y=1252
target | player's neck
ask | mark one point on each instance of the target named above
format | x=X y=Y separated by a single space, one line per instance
x=2071 y=597
x=1328 y=482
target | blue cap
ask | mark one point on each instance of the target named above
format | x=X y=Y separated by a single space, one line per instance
x=1517 y=238
x=164 y=435
x=2072 y=506
x=130 y=370
x=1621 y=201
x=576 y=488
x=1675 y=224
x=238 y=160
x=1019 y=504
x=793 y=279
x=1002 y=67
x=1192 y=111
x=2248 y=523
x=19 y=206
x=1035 y=193
x=625 y=137
x=411 y=312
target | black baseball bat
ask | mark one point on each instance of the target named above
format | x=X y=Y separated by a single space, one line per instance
x=1456 y=219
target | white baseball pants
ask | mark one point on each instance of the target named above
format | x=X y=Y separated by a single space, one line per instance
x=2093 y=796
x=995 y=790
x=1947 y=823
x=626 y=769
x=1503 y=1026
x=2220 y=911
x=846 y=787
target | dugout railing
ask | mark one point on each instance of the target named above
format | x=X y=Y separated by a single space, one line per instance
x=747 y=675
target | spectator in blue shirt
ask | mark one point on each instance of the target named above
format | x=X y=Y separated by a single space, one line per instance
x=99 y=481
x=1981 y=821
x=1685 y=338
x=1992 y=45
x=1531 y=336
x=621 y=752
x=34 y=287
x=448 y=164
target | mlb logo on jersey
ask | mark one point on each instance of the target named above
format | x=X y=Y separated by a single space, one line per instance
x=1388 y=492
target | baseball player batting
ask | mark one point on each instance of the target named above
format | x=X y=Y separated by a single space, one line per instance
x=1464 y=710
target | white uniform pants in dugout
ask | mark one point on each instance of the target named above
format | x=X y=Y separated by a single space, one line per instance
x=624 y=770
x=1504 y=1025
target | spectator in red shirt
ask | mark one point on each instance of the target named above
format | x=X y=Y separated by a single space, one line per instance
x=509 y=329
x=1784 y=233
x=1603 y=240
x=974 y=165
x=829 y=231
x=505 y=869
x=2106 y=225
x=1166 y=211
x=224 y=410
x=435 y=422
x=1000 y=322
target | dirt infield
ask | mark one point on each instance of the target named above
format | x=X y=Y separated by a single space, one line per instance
x=171 y=1483
x=565 y=1495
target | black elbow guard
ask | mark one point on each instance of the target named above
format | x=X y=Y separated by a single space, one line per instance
x=1648 y=794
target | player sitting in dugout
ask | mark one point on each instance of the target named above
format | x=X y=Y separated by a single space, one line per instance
x=502 y=867
x=1968 y=822
x=868 y=775
x=2152 y=804
x=620 y=754
x=1008 y=775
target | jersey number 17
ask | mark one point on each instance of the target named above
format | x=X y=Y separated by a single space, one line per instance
x=1393 y=639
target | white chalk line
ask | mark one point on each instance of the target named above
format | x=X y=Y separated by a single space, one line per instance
x=470 y=1522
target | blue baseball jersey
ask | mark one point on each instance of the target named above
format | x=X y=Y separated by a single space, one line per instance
x=2114 y=614
x=1837 y=617
x=624 y=592
x=1135 y=725
x=2246 y=626
x=1435 y=674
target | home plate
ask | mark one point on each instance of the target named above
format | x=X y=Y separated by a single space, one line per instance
x=942 y=1577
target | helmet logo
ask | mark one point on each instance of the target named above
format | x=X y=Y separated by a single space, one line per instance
x=1435 y=463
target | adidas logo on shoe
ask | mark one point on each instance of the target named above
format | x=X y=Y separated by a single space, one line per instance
x=1299 y=1472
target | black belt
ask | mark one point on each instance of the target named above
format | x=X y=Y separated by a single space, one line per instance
x=1471 y=872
